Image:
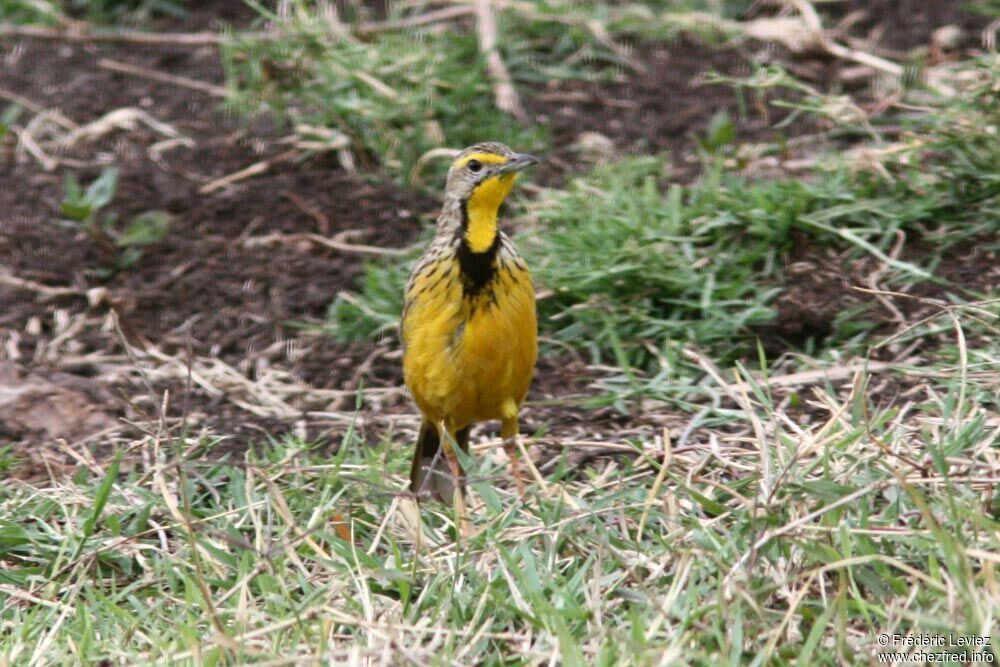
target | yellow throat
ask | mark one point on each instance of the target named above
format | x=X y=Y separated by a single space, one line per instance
x=482 y=209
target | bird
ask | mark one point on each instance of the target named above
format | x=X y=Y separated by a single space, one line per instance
x=469 y=324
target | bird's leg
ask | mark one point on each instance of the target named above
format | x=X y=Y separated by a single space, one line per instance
x=508 y=431
x=447 y=445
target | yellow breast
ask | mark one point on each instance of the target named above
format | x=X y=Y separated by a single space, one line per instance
x=470 y=358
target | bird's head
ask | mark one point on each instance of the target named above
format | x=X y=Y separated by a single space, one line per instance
x=480 y=178
x=487 y=167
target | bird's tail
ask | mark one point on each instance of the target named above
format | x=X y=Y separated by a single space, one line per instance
x=430 y=472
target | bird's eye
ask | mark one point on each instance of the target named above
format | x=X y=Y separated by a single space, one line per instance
x=475 y=166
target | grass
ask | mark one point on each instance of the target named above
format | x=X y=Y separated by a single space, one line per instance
x=388 y=112
x=395 y=95
x=786 y=542
x=761 y=511
x=639 y=269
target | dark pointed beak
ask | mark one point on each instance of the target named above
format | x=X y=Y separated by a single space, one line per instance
x=517 y=162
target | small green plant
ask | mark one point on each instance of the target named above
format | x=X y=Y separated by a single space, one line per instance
x=28 y=11
x=7 y=119
x=720 y=133
x=121 y=247
x=8 y=459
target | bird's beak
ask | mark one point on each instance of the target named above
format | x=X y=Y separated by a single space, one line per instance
x=517 y=162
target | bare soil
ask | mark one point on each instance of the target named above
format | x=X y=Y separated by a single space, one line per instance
x=823 y=285
x=205 y=289
x=208 y=292
x=665 y=108
x=905 y=25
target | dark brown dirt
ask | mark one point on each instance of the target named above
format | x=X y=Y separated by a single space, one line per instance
x=669 y=107
x=666 y=108
x=904 y=25
x=202 y=287
x=821 y=287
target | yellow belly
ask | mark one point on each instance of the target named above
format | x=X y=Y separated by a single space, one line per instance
x=470 y=359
